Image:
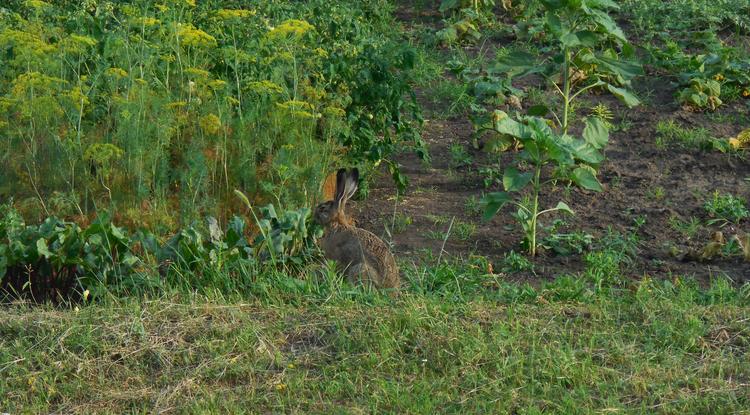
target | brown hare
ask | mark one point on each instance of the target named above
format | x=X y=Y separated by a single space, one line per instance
x=362 y=256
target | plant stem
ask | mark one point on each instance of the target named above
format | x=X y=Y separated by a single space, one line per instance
x=534 y=210
x=566 y=89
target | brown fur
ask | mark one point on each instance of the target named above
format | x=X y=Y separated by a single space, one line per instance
x=361 y=255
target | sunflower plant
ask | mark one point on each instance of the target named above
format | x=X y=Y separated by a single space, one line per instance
x=571 y=159
x=591 y=52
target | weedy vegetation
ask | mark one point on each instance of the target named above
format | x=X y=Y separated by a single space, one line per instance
x=160 y=159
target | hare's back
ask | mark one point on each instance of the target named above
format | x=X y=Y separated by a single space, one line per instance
x=378 y=254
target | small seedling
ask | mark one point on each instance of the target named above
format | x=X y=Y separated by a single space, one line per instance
x=657 y=193
x=515 y=262
x=689 y=228
x=401 y=222
x=464 y=230
x=459 y=156
x=568 y=243
x=473 y=205
x=725 y=208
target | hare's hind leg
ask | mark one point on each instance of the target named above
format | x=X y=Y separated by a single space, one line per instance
x=361 y=274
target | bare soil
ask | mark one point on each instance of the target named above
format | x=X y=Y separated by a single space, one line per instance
x=640 y=178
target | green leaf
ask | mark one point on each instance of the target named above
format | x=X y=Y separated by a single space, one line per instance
x=518 y=63
x=538 y=110
x=583 y=177
x=570 y=40
x=42 y=248
x=596 y=132
x=628 y=70
x=623 y=95
x=608 y=25
x=561 y=152
x=563 y=207
x=554 y=25
x=532 y=152
x=587 y=153
x=130 y=259
x=446 y=5
x=503 y=124
x=587 y=38
x=554 y=4
x=514 y=180
x=603 y=4
x=714 y=88
x=493 y=202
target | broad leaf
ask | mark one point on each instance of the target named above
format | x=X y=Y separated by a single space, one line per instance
x=596 y=132
x=503 y=124
x=563 y=207
x=561 y=150
x=586 y=153
x=493 y=202
x=628 y=70
x=518 y=63
x=446 y=5
x=584 y=177
x=587 y=38
x=623 y=95
x=531 y=152
x=570 y=40
x=514 y=180
x=602 y=4
x=604 y=21
x=42 y=248
x=555 y=25
x=538 y=110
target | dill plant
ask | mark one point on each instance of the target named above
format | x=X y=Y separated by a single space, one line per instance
x=192 y=100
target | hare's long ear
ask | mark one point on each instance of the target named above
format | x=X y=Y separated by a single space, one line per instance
x=340 y=186
x=350 y=186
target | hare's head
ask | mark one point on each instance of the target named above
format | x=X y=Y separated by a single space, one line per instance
x=332 y=211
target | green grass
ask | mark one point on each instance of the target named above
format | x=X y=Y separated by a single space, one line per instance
x=457 y=340
x=671 y=132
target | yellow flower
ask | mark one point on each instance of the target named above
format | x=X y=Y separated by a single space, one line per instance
x=117 y=72
x=290 y=28
x=189 y=35
x=217 y=84
x=746 y=93
x=144 y=21
x=198 y=73
x=77 y=43
x=735 y=143
x=210 y=124
x=86 y=295
x=335 y=112
x=719 y=77
x=294 y=104
x=232 y=14
x=176 y=105
x=744 y=137
x=264 y=87
x=280 y=387
x=36 y=4
x=83 y=40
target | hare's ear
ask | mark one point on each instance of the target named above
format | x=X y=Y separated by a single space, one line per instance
x=350 y=187
x=340 y=186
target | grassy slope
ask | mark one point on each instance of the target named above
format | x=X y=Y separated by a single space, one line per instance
x=645 y=348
